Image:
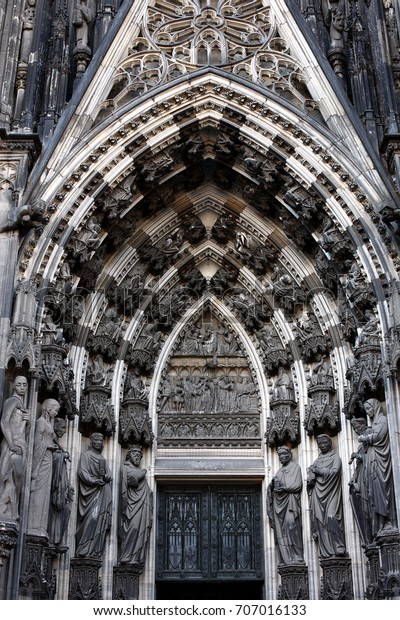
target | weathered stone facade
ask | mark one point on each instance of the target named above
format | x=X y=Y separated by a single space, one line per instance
x=199 y=237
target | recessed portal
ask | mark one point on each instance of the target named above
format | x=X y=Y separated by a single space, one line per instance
x=209 y=542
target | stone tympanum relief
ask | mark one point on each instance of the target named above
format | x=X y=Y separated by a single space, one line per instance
x=208 y=395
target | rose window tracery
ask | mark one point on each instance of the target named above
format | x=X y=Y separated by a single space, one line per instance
x=208 y=32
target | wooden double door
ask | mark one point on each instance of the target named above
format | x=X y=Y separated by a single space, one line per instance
x=210 y=537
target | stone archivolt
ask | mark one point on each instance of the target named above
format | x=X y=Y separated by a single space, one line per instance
x=212 y=263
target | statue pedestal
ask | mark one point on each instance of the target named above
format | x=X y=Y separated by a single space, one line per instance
x=337 y=580
x=126 y=581
x=9 y=531
x=388 y=543
x=8 y=539
x=84 y=584
x=37 y=580
x=373 y=591
x=294 y=582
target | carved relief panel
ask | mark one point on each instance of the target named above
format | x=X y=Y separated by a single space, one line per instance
x=209 y=395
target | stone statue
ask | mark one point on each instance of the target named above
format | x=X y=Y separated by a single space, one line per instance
x=13 y=452
x=83 y=17
x=95 y=501
x=325 y=493
x=62 y=493
x=358 y=491
x=136 y=510
x=283 y=388
x=284 y=508
x=322 y=373
x=334 y=17
x=42 y=468
x=135 y=387
x=378 y=468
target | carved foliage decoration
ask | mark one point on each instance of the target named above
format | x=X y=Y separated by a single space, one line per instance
x=337 y=581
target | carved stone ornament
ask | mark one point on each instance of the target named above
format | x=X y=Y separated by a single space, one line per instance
x=37 y=581
x=134 y=423
x=8 y=540
x=83 y=244
x=178 y=38
x=275 y=354
x=193 y=229
x=323 y=410
x=252 y=313
x=337 y=579
x=311 y=339
x=286 y=292
x=224 y=229
x=84 y=580
x=55 y=371
x=106 y=339
x=250 y=249
x=126 y=582
x=294 y=583
x=388 y=543
x=144 y=352
x=365 y=370
x=96 y=412
x=284 y=423
x=208 y=395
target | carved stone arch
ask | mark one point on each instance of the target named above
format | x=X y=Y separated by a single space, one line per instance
x=212 y=305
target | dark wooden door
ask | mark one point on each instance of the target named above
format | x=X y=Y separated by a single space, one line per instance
x=209 y=533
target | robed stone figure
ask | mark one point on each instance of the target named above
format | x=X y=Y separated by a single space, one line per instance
x=136 y=510
x=284 y=509
x=62 y=493
x=42 y=468
x=377 y=471
x=325 y=494
x=358 y=490
x=94 y=502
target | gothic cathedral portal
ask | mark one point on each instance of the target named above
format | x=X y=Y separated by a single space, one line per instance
x=200 y=299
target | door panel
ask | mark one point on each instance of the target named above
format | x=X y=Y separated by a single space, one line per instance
x=209 y=533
